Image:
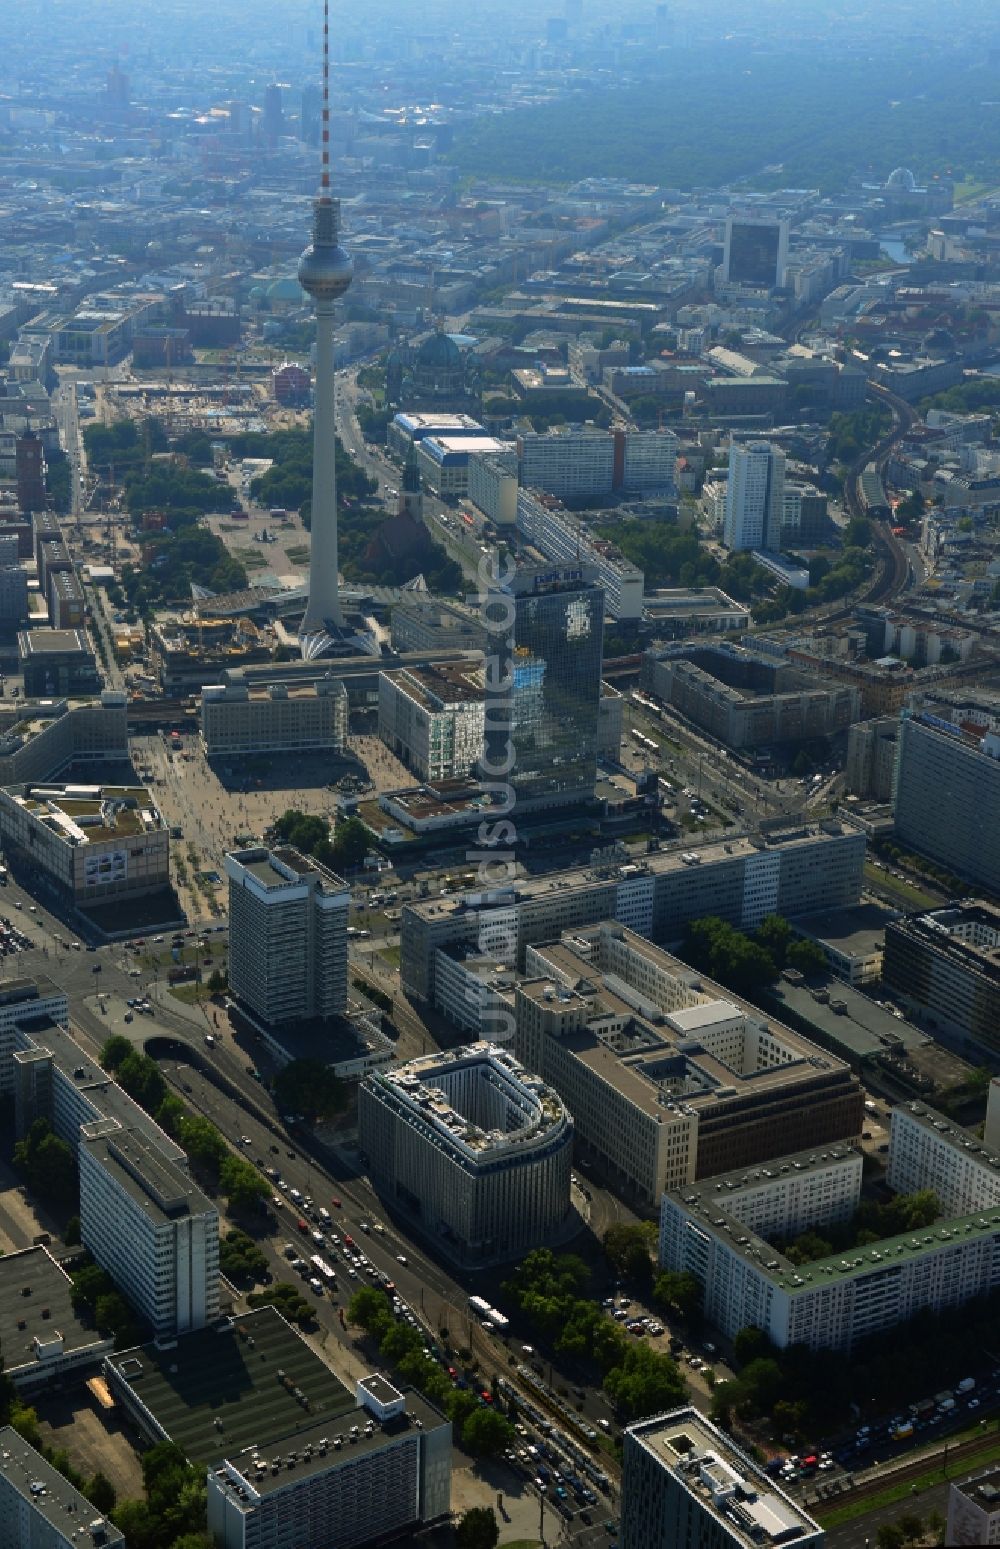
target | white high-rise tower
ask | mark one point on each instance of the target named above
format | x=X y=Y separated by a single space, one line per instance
x=325 y=272
x=755 y=497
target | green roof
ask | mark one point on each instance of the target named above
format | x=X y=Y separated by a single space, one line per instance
x=886 y=1254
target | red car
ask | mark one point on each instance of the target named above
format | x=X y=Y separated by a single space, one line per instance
x=303 y=1226
x=335 y=1201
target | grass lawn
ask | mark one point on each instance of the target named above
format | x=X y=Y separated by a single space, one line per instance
x=909 y=896
x=163 y=957
x=968 y=190
x=390 y=955
x=191 y=994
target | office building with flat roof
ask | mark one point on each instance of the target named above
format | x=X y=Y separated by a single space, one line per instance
x=443 y=460
x=686 y=1482
x=723 y=1230
x=287 y=1448
x=94 y=842
x=57 y=661
x=150 y=1227
x=755 y=493
x=789 y=869
x=14 y=610
x=44 y=1340
x=562 y=538
x=237 y=718
x=670 y=1077
x=40 y=738
x=946 y=795
x=432 y=718
x=576 y=462
x=974 y=1509
x=755 y=251
x=473 y=1147
x=287 y=936
x=944 y=965
x=409 y=428
x=67 y=604
x=871 y=757
x=748 y=700
x=493 y=485
x=50 y=1076
x=40 y=1509
x=704 y=610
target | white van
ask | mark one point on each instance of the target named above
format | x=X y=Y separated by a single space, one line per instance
x=324 y=1215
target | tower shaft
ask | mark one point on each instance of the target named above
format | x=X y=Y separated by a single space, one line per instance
x=324 y=583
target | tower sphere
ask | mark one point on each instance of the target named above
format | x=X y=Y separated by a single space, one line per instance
x=325 y=272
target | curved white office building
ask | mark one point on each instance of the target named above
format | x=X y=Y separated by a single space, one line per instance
x=472 y=1147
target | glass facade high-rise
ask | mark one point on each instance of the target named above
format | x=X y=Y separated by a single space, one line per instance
x=756 y=251
x=542 y=719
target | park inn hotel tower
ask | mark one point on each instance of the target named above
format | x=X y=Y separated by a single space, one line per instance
x=546 y=626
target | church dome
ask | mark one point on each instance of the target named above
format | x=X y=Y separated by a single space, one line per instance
x=439 y=352
x=284 y=290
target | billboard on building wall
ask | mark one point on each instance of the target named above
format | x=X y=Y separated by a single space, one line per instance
x=109 y=866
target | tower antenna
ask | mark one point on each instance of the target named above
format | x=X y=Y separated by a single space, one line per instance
x=324 y=182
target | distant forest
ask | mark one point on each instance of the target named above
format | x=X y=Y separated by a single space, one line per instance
x=777 y=120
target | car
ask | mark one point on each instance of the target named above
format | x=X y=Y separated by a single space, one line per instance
x=334 y=1201
x=245 y=1140
x=400 y=1258
x=973 y=1403
x=274 y=1149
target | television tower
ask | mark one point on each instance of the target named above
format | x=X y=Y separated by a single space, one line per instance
x=325 y=272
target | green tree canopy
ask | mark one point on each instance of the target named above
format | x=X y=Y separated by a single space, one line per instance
x=244 y=1187
x=627 y=1248
x=142 y=1079
x=204 y=1145
x=47 y=1165
x=288 y=1299
x=678 y=1291
x=644 y=1382
x=101 y=1493
x=370 y=1310
x=114 y=1050
x=240 y=1258
x=486 y=1433
x=478 y=1529
x=725 y=954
